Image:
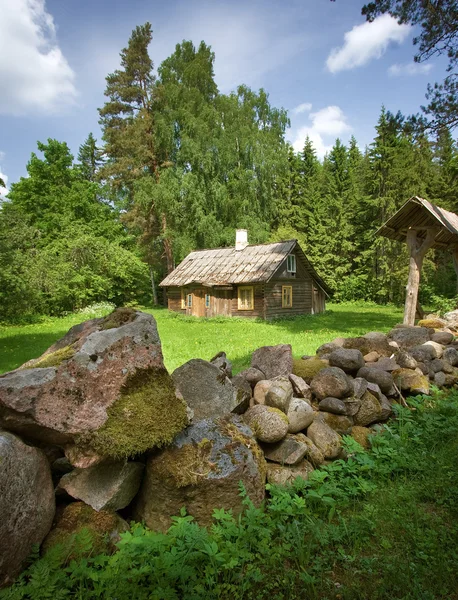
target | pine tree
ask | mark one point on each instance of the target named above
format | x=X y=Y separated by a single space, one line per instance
x=90 y=158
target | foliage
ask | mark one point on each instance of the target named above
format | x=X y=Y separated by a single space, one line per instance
x=381 y=524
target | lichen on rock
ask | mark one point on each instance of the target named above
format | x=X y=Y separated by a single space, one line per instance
x=52 y=359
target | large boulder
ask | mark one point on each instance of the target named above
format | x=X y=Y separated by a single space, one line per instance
x=325 y=439
x=273 y=361
x=300 y=414
x=27 y=503
x=347 y=359
x=208 y=391
x=201 y=471
x=102 y=390
x=107 y=486
x=268 y=424
x=330 y=382
x=281 y=475
x=407 y=337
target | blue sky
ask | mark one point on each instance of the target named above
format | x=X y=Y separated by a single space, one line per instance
x=316 y=58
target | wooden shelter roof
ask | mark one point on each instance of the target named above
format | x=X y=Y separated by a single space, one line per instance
x=420 y=214
x=228 y=266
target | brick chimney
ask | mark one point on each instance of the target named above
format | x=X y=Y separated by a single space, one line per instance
x=241 y=239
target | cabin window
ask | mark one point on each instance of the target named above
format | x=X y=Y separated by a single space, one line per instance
x=286 y=296
x=246 y=296
x=207 y=300
x=189 y=300
x=291 y=263
x=183 y=298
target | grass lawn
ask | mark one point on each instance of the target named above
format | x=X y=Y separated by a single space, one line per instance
x=184 y=338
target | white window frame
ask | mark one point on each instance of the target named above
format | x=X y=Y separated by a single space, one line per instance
x=249 y=288
x=291 y=263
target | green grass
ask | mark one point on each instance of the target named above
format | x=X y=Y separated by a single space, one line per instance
x=184 y=338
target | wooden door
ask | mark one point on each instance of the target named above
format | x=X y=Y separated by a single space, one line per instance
x=198 y=303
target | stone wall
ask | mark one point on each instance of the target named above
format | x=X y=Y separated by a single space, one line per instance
x=96 y=431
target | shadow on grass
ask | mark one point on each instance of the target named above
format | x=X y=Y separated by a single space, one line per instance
x=19 y=348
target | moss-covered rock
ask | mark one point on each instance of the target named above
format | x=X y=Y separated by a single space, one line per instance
x=52 y=359
x=102 y=528
x=308 y=368
x=361 y=435
x=119 y=317
x=202 y=471
x=411 y=381
x=148 y=414
x=432 y=323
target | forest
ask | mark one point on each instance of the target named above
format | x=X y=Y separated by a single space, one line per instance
x=180 y=166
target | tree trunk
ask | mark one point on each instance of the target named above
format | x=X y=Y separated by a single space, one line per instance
x=153 y=286
x=417 y=249
x=167 y=246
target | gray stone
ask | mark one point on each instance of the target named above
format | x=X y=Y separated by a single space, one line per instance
x=375 y=390
x=422 y=368
x=107 y=486
x=405 y=360
x=407 y=337
x=242 y=384
x=325 y=350
x=330 y=381
x=423 y=353
x=333 y=405
x=287 y=452
x=301 y=389
x=383 y=379
x=440 y=379
x=273 y=361
x=411 y=381
x=279 y=394
x=371 y=357
x=352 y=405
x=436 y=365
x=201 y=471
x=451 y=356
x=364 y=344
x=313 y=454
x=27 y=503
x=222 y=362
x=300 y=414
x=369 y=412
x=359 y=387
x=386 y=364
x=268 y=424
x=325 y=439
x=280 y=475
x=386 y=408
x=452 y=318
x=348 y=360
x=442 y=337
x=252 y=375
x=207 y=391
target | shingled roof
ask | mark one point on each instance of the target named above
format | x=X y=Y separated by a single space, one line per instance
x=418 y=213
x=228 y=266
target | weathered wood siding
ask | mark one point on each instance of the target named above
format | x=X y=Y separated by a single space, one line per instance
x=258 y=303
x=220 y=301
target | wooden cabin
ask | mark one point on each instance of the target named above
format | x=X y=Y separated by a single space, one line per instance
x=266 y=281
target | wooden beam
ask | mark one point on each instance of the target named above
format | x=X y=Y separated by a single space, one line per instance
x=417 y=248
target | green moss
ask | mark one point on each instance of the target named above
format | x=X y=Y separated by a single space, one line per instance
x=238 y=437
x=307 y=369
x=147 y=415
x=118 y=317
x=53 y=359
x=186 y=465
x=278 y=412
x=431 y=323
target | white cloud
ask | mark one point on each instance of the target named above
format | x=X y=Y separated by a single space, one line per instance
x=35 y=75
x=366 y=42
x=3 y=190
x=409 y=69
x=302 y=108
x=327 y=122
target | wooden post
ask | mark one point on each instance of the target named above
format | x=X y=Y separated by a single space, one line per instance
x=417 y=248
